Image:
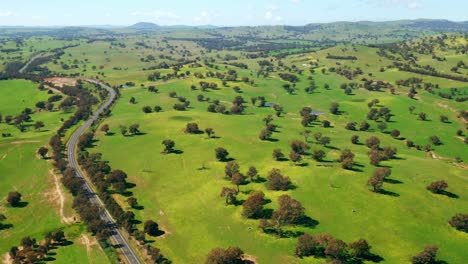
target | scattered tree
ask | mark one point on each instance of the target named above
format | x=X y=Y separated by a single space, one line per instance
x=253 y=206
x=437 y=186
x=460 y=222
x=42 y=151
x=151 y=228
x=277 y=182
x=231 y=255
x=427 y=256
x=221 y=154
x=168 y=146
x=14 y=199
x=277 y=154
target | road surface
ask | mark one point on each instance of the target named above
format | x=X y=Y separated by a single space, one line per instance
x=33 y=58
x=117 y=236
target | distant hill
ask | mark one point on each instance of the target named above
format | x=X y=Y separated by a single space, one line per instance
x=144 y=26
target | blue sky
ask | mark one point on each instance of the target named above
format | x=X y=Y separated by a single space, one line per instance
x=222 y=13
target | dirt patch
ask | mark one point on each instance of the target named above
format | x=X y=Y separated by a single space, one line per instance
x=250 y=259
x=7 y=259
x=434 y=155
x=58 y=195
x=88 y=243
x=61 y=82
x=20 y=142
x=24 y=142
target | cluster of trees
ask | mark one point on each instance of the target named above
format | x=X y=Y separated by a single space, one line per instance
x=376 y=154
x=21 y=121
x=132 y=130
x=265 y=134
x=347 y=72
x=192 y=128
x=32 y=252
x=230 y=255
x=326 y=246
x=147 y=109
x=377 y=113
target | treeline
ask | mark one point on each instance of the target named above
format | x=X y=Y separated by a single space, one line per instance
x=337 y=57
x=430 y=72
x=82 y=99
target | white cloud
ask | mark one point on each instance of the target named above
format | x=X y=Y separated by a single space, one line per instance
x=414 y=5
x=411 y=4
x=295 y=1
x=270 y=13
x=156 y=14
x=206 y=17
x=107 y=14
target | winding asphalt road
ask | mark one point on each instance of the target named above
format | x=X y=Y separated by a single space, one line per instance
x=33 y=58
x=117 y=236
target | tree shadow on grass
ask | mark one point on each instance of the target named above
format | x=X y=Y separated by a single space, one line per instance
x=129 y=185
x=449 y=194
x=136 y=222
x=332 y=147
x=292 y=234
x=355 y=169
x=238 y=202
x=49 y=259
x=266 y=213
x=126 y=193
x=302 y=164
x=21 y=204
x=259 y=179
x=392 y=181
x=306 y=221
x=375 y=258
x=138 y=207
x=5 y=226
x=389 y=193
